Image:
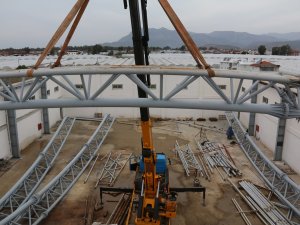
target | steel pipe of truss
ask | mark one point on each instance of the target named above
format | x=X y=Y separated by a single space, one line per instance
x=155 y=70
x=40 y=204
x=257 y=158
x=272 y=109
x=29 y=182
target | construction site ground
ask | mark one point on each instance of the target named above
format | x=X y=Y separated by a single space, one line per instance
x=81 y=205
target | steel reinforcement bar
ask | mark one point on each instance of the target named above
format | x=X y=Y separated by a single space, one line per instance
x=32 y=178
x=41 y=203
x=282 y=186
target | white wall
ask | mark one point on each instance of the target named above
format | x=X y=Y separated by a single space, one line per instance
x=291 y=150
x=5 y=152
x=267 y=130
x=53 y=93
x=30 y=125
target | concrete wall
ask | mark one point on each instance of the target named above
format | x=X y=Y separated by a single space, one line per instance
x=54 y=92
x=4 y=140
x=291 y=150
x=267 y=130
x=29 y=123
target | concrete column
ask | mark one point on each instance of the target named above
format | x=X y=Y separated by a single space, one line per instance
x=280 y=139
x=46 y=124
x=61 y=112
x=251 y=127
x=13 y=133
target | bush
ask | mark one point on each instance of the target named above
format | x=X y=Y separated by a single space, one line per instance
x=21 y=67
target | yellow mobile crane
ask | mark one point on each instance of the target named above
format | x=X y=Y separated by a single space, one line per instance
x=156 y=200
x=156 y=204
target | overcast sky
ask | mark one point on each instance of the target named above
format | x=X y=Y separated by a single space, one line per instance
x=33 y=22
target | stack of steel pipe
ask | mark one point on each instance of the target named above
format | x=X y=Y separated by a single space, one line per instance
x=214 y=155
x=269 y=213
x=119 y=214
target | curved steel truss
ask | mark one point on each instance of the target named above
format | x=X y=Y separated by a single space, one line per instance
x=30 y=181
x=36 y=208
x=287 y=87
x=284 y=188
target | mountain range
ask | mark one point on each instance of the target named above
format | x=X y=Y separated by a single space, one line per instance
x=223 y=39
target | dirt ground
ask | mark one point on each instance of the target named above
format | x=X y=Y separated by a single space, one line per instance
x=79 y=204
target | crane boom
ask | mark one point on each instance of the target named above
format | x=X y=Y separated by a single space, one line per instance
x=149 y=207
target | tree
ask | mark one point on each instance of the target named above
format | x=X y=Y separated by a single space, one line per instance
x=276 y=51
x=52 y=52
x=26 y=50
x=283 y=50
x=262 y=49
x=97 y=49
x=182 y=48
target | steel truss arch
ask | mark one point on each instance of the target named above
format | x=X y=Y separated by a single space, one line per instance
x=287 y=191
x=287 y=87
x=29 y=182
x=36 y=208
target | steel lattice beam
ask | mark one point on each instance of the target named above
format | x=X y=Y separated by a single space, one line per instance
x=29 y=182
x=285 y=85
x=41 y=203
x=188 y=159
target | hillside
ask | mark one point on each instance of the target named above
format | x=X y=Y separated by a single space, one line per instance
x=228 y=39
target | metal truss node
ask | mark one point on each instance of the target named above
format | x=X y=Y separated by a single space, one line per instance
x=29 y=182
x=40 y=204
x=281 y=185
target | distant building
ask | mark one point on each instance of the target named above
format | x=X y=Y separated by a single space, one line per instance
x=266 y=66
x=259 y=66
x=74 y=52
x=229 y=64
x=294 y=53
